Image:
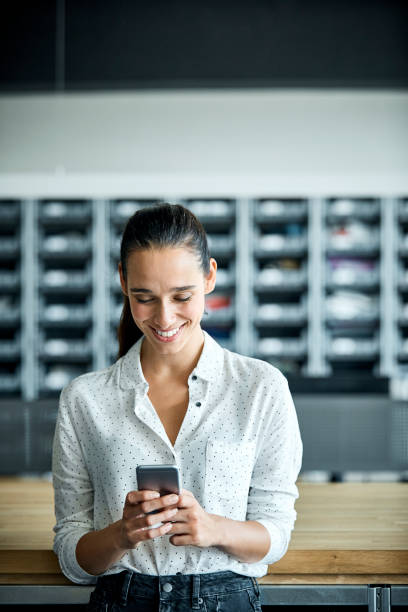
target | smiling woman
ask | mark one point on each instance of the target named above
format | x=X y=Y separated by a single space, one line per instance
x=174 y=396
x=166 y=289
x=172 y=241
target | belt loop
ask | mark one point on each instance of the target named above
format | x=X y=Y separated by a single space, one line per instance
x=256 y=585
x=195 y=603
x=125 y=587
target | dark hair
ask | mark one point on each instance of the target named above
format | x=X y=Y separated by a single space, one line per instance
x=160 y=226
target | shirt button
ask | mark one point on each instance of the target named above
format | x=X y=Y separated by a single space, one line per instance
x=194 y=377
x=198 y=404
x=167 y=587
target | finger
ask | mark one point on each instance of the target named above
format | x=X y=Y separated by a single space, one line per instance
x=133 y=500
x=186 y=499
x=186 y=492
x=148 y=520
x=179 y=517
x=159 y=503
x=152 y=532
x=180 y=540
x=179 y=528
x=136 y=497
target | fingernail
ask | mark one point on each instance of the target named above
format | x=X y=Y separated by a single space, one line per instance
x=173 y=498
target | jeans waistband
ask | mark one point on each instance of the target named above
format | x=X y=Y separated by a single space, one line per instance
x=175 y=586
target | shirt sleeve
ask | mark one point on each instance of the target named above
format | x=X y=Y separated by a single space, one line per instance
x=73 y=492
x=273 y=489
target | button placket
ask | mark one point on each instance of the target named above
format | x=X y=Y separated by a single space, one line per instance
x=149 y=417
x=196 y=393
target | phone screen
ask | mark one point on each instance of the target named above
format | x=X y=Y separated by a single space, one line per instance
x=162 y=478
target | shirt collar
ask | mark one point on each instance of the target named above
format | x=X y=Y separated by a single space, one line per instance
x=211 y=360
x=209 y=365
x=131 y=373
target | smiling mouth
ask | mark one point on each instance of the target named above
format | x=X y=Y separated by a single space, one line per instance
x=167 y=336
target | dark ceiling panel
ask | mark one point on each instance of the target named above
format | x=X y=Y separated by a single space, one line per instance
x=27 y=45
x=162 y=43
x=282 y=42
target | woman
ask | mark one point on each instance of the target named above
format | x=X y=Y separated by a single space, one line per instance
x=174 y=396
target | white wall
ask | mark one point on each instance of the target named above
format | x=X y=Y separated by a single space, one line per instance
x=214 y=133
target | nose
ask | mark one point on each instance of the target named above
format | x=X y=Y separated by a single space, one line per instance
x=164 y=315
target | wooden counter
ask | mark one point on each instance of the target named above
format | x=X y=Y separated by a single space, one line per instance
x=345 y=533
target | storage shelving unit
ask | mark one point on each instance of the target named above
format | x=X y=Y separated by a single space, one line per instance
x=352 y=264
x=10 y=297
x=402 y=286
x=316 y=286
x=280 y=261
x=64 y=330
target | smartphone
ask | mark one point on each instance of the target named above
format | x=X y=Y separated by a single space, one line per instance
x=162 y=478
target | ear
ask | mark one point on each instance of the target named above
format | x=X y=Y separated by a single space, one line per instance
x=122 y=280
x=209 y=282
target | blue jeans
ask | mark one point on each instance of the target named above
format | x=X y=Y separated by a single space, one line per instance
x=213 y=592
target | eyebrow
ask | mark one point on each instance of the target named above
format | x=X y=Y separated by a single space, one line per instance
x=142 y=290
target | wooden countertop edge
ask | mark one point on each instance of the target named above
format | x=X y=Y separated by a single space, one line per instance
x=342 y=562
x=277 y=579
x=295 y=562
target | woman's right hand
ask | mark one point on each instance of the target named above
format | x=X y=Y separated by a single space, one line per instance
x=136 y=525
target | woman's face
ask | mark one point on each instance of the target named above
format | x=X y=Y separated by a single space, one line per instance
x=166 y=289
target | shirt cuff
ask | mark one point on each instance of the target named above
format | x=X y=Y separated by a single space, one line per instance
x=68 y=561
x=278 y=545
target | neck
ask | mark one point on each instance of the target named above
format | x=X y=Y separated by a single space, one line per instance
x=177 y=366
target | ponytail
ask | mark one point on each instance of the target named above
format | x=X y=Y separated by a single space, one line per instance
x=128 y=332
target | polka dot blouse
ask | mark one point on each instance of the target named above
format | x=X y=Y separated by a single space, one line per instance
x=238 y=450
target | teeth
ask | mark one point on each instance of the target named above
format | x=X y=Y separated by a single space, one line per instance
x=167 y=334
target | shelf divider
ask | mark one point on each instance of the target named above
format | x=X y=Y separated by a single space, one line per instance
x=29 y=300
x=316 y=365
x=99 y=279
x=388 y=287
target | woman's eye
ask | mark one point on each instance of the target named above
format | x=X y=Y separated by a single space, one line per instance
x=179 y=299
x=186 y=299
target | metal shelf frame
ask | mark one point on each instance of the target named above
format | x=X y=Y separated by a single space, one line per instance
x=243 y=222
x=376 y=598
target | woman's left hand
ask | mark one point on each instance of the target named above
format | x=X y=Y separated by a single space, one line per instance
x=192 y=525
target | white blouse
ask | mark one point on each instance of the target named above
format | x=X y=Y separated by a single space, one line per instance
x=238 y=450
